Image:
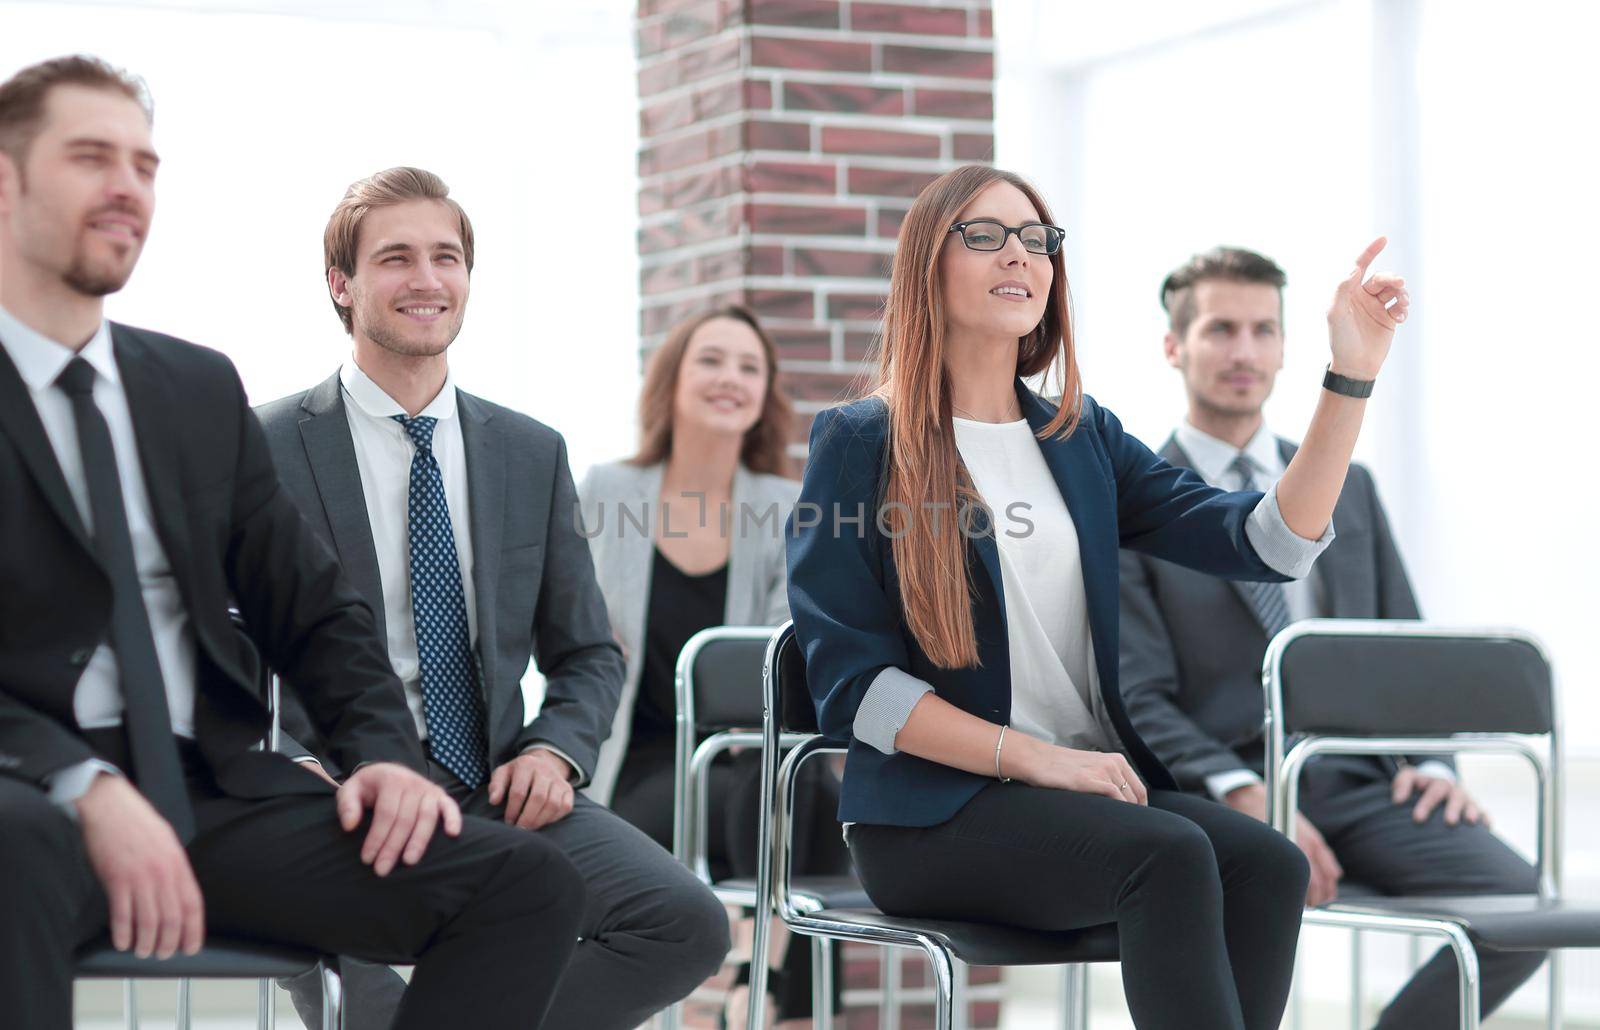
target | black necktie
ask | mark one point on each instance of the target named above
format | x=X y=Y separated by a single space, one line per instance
x=1267 y=601
x=145 y=717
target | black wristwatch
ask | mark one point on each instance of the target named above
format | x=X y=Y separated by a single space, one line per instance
x=1346 y=386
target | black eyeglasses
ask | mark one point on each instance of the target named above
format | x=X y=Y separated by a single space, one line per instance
x=986 y=234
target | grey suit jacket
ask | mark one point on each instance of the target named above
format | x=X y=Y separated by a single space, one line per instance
x=1192 y=648
x=616 y=498
x=532 y=576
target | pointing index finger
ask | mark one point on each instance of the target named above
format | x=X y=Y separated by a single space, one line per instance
x=1365 y=260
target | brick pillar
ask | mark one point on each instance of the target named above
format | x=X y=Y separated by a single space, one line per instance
x=781 y=142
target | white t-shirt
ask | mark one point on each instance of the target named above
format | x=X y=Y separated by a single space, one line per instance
x=1055 y=689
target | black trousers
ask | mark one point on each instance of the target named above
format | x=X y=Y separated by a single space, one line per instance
x=1380 y=846
x=651 y=932
x=643 y=796
x=490 y=918
x=1207 y=901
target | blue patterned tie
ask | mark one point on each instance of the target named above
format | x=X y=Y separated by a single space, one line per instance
x=1266 y=599
x=451 y=700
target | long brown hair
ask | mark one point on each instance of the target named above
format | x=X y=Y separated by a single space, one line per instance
x=765 y=442
x=924 y=468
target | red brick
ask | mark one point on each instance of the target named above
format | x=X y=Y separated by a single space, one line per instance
x=650 y=8
x=666 y=116
x=764 y=135
x=851 y=264
x=691 y=226
x=973 y=146
x=986 y=24
x=688 y=189
x=810 y=54
x=910 y=19
x=855 y=307
x=679 y=28
x=823 y=386
x=954 y=103
x=957 y=64
x=658 y=318
x=800 y=14
x=860 y=345
x=670 y=275
x=802 y=220
x=696 y=62
x=766 y=260
x=883 y=142
x=725 y=264
x=691 y=149
x=769 y=303
x=842 y=99
x=802 y=345
x=757 y=94
x=791 y=177
x=888 y=182
x=889 y=219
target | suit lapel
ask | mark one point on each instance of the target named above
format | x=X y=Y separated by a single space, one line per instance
x=331 y=453
x=151 y=402
x=486 y=493
x=20 y=420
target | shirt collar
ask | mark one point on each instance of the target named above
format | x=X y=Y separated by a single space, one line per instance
x=371 y=399
x=1212 y=457
x=40 y=360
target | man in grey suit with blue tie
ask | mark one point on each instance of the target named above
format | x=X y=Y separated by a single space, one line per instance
x=454 y=519
x=1192 y=646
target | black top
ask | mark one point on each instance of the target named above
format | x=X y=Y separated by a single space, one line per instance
x=680 y=606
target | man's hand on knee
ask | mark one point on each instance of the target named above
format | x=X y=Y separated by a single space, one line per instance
x=1326 y=872
x=156 y=907
x=1431 y=792
x=536 y=788
x=406 y=809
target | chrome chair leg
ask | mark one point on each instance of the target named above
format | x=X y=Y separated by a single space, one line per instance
x=760 y=945
x=961 y=1009
x=1356 y=985
x=1468 y=984
x=944 y=985
x=130 y=1004
x=332 y=997
x=821 y=983
x=1075 y=997
x=1558 y=999
x=266 y=1005
x=889 y=980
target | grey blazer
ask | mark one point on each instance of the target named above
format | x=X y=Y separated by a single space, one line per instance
x=532 y=575
x=616 y=498
x=1192 y=649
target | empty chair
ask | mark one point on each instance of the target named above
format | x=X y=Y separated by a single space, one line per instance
x=1382 y=687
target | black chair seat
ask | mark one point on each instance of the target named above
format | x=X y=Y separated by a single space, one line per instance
x=984 y=944
x=1505 y=922
x=218 y=960
x=827 y=891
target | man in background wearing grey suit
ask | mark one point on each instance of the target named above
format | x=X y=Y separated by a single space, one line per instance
x=1192 y=646
x=453 y=518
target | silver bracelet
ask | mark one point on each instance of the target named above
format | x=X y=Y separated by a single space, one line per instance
x=997 y=745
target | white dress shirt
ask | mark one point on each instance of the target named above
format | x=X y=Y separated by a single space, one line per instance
x=1307 y=598
x=1055 y=689
x=383 y=458
x=97 y=698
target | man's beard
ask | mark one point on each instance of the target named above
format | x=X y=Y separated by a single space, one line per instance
x=396 y=343
x=95 y=282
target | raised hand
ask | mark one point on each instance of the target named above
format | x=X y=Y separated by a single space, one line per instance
x=156 y=907
x=1363 y=316
x=406 y=809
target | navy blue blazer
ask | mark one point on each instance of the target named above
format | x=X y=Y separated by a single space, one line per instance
x=844 y=592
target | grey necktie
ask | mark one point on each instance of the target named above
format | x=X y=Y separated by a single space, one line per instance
x=1266 y=600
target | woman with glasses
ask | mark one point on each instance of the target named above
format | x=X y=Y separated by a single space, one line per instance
x=965 y=640
x=688 y=534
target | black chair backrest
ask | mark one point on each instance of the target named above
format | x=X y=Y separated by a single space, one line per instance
x=727 y=683
x=796 y=711
x=1389 y=684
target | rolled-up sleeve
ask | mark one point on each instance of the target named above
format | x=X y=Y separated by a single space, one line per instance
x=886 y=706
x=1281 y=548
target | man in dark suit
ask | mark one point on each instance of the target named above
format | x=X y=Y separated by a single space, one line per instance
x=1192 y=646
x=139 y=502
x=455 y=519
